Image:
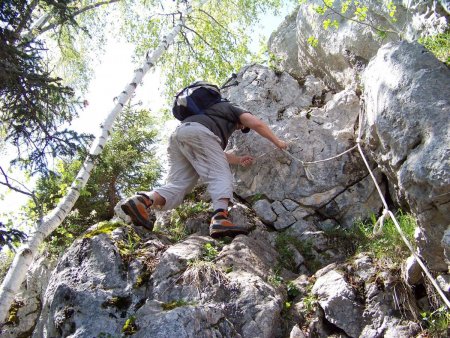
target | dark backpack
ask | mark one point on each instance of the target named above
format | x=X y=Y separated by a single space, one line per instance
x=195 y=98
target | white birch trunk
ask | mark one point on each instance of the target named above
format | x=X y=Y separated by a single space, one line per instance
x=25 y=255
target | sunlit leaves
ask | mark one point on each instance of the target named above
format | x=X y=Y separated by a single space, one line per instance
x=360 y=12
x=212 y=45
x=313 y=41
x=355 y=11
x=328 y=23
x=345 y=6
x=320 y=9
x=392 y=10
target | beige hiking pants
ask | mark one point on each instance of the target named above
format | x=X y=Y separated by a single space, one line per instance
x=194 y=151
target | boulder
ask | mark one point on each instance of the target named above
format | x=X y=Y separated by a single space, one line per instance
x=407 y=133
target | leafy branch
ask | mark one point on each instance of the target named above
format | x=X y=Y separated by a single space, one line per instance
x=360 y=17
x=74 y=14
x=208 y=44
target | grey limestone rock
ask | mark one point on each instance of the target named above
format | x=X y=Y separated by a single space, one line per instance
x=407 y=133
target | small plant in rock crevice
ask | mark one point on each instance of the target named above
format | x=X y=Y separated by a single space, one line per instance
x=176 y=303
x=177 y=230
x=209 y=252
x=130 y=327
x=13 y=319
x=387 y=246
x=203 y=272
x=275 y=279
x=119 y=302
x=439 y=45
x=292 y=290
x=103 y=228
x=437 y=323
x=310 y=302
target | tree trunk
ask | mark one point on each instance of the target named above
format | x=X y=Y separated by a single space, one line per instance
x=25 y=255
x=112 y=197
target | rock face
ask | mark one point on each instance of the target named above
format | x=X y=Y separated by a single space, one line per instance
x=342 y=51
x=101 y=287
x=29 y=300
x=408 y=135
x=359 y=304
x=120 y=280
x=317 y=126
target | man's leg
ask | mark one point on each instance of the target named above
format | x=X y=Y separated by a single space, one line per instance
x=181 y=178
x=202 y=148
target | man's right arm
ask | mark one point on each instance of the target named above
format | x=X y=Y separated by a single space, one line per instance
x=251 y=121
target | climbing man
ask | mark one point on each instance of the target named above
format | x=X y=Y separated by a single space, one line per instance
x=196 y=150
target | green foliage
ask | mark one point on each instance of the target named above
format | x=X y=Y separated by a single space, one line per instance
x=275 y=279
x=361 y=13
x=128 y=247
x=392 y=10
x=119 y=302
x=177 y=230
x=6 y=259
x=10 y=237
x=437 y=323
x=130 y=327
x=13 y=319
x=126 y=165
x=328 y=23
x=142 y=279
x=388 y=246
x=313 y=41
x=256 y=197
x=35 y=106
x=355 y=11
x=174 y=304
x=103 y=228
x=292 y=290
x=212 y=44
x=439 y=45
x=310 y=302
x=209 y=252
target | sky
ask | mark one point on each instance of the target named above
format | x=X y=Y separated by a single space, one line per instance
x=111 y=76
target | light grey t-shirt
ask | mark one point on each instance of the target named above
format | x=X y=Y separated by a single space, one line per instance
x=221 y=118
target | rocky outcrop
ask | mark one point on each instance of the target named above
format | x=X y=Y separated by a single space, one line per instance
x=359 y=299
x=318 y=125
x=342 y=52
x=407 y=108
x=122 y=280
x=119 y=280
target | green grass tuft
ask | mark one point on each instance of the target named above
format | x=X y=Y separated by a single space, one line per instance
x=104 y=228
x=387 y=246
x=439 y=45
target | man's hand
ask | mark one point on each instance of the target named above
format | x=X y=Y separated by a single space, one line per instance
x=281 y=144
x=245 y=161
